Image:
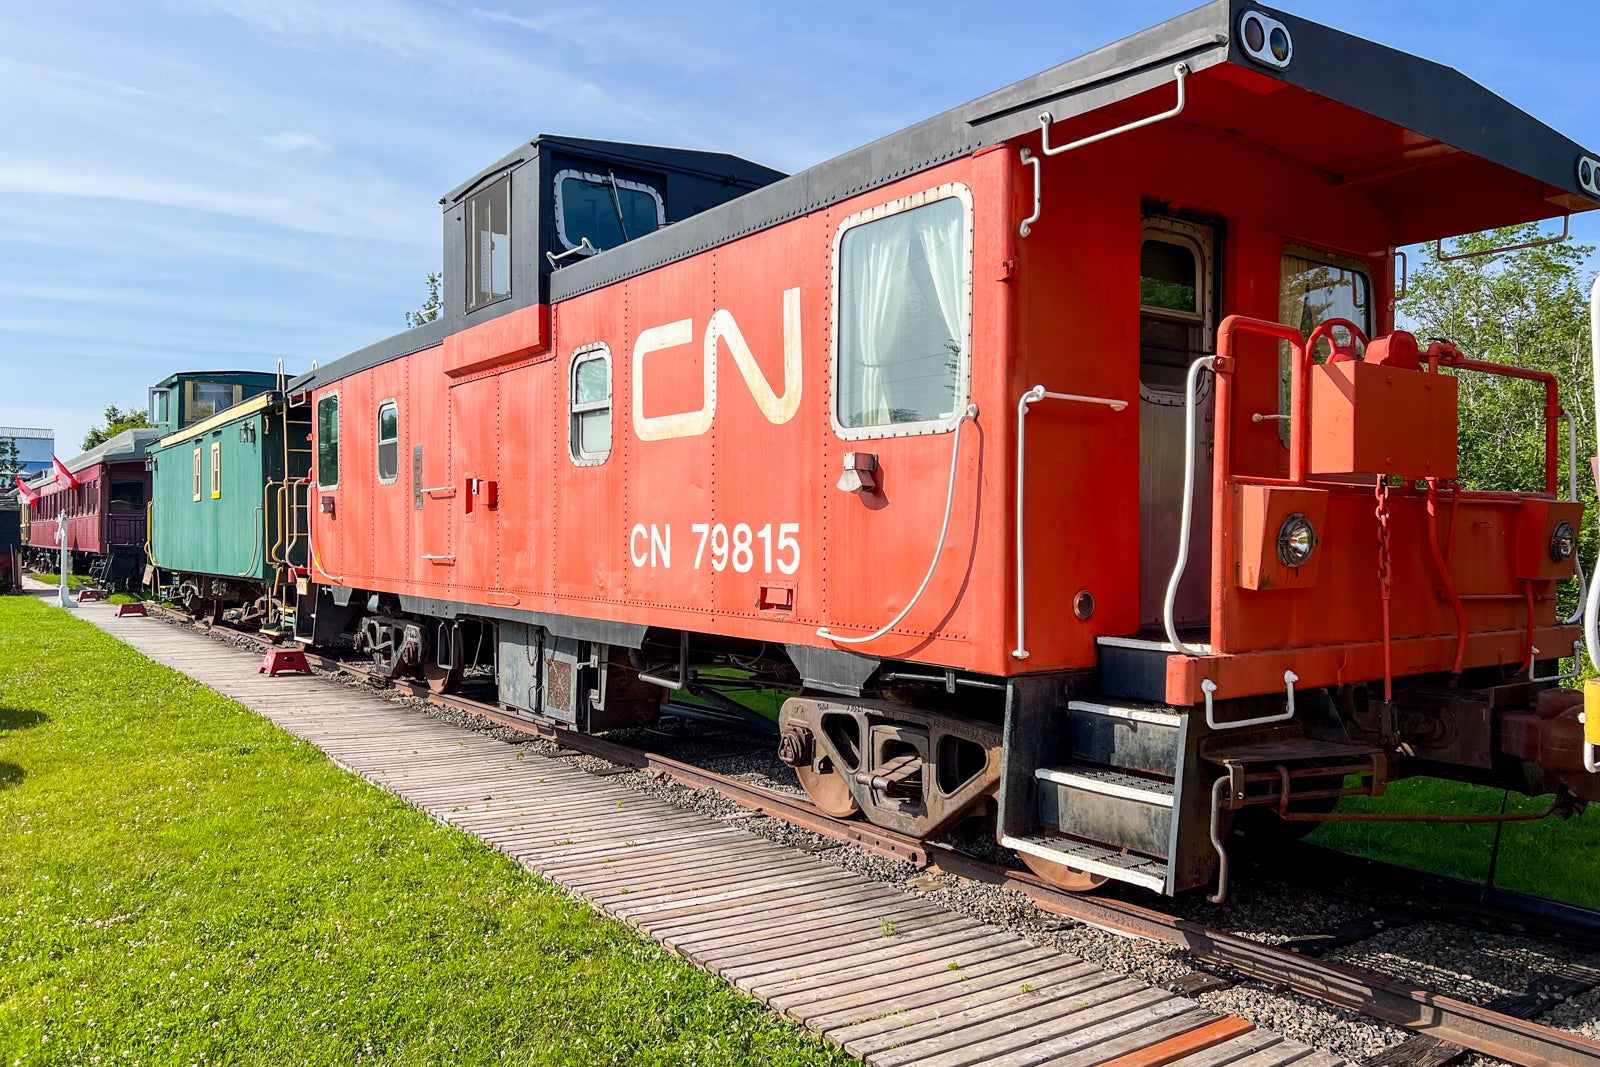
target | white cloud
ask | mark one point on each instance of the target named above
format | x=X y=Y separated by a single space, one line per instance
x=293 y=141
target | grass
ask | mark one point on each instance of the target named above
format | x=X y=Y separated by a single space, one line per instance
x=1549 y=858
x=74 y=581
x=181 y=882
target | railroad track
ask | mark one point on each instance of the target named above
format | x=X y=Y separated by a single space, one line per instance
x=1445 y=1028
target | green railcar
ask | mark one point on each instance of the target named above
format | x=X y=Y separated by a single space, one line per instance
x=228 y=495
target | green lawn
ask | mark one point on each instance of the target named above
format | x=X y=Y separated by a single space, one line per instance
x=74 y=581
x=1548 y=858
x=181 y=882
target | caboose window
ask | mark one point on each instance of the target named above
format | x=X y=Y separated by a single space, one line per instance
x=1315 y=287
x=216 y=470
x=604 y=208
x=589 y=434
x=903 y=309
x=1174 y=300
x=197 y=474
x=388 y=442
x=328 y=442
x=489 y=245
x=207 y=398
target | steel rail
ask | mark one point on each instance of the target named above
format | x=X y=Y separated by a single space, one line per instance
x=1518 y=1041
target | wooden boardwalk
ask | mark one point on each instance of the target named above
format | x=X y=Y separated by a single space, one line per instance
x=891 y=978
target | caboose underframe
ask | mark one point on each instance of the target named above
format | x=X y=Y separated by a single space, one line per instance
x=1061 y=452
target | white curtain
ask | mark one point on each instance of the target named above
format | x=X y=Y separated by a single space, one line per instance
x=878 y=277
x=884 y=365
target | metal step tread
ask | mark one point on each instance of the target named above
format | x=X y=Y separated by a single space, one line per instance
x=1298 y=748
x=1110 y=783
x=1131 y=711
x=1154 y=644
x=1122 y=866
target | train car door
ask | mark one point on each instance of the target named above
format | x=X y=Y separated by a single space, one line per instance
x=1176 y=327
x=475 y=468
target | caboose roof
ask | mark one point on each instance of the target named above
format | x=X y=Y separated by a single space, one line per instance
x=129 y=444
x=1436 y=152
x=1439 y=152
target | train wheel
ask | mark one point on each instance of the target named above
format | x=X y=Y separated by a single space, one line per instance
x=442 y=679
x=827 y=789
x=1062 y=876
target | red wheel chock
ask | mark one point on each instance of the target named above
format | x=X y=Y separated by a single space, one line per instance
x=283 y=659
x=89 y=592
x=131 y=609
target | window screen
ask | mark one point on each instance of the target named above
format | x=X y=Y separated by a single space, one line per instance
x=489 y=245
x=388 y=442
x=903 y=308
x=606 y=210
x=328 y=442
x=590 y=434
x=1315 y=287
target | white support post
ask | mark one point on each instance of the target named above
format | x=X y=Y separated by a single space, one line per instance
x=61 y=536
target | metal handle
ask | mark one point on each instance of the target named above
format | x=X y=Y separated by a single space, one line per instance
x=435 y=559
x=1031 y=160
x=1566 y=231
x=1029 y=398
x=1577 y=665
x=1181 y=72
x=583 y=249
x=1209 y=687
x=440 y=489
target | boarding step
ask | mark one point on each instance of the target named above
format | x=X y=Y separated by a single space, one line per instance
x=1135 y=668
x=1127 y=735
x=1122 y=811
x=1288 y=771
x=1081 y=855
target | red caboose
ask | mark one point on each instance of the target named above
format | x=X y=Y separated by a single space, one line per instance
x=1059 y=452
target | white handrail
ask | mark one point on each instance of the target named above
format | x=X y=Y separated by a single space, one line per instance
x=1209 y=688
x=1572 y=494
x=949 y=501
x=1033 y=396
x=1591 y=606
x=1181 y=72
x=1031 y=160
x=1169 y=604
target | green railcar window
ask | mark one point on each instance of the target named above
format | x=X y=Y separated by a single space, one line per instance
x=328 y=442
x=388 y=442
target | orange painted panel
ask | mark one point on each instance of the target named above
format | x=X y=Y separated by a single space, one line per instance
x=505 y=339
x=1370 y=419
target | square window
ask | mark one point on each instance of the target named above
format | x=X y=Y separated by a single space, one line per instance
x=488 y=219
x=328 y=442
x=589 y=435
x=388 y=442
x=903 y=305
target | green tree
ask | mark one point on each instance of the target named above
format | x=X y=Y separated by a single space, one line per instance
x=430 y=307
x=10 y=463
x=117 y=420
x=1527 y=308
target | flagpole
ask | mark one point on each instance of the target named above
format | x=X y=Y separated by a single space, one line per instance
x=61 y=535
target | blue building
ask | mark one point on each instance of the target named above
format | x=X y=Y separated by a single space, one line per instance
x=33 y=445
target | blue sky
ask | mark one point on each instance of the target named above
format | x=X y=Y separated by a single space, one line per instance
x=191 y=184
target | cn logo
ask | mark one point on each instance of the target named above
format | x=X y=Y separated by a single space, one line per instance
x=721 y=328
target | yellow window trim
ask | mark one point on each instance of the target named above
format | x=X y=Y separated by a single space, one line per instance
x=216 y=470
x=197 y=475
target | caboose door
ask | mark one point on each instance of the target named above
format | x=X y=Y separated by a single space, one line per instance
x=475 y=469
x=1176 y=327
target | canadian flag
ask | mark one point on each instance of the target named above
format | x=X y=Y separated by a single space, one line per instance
x=64 y=477
x=27 y=494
